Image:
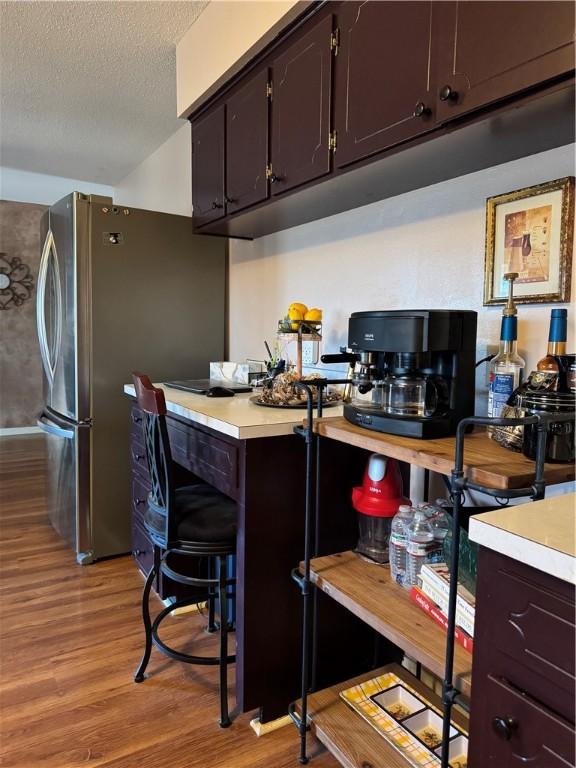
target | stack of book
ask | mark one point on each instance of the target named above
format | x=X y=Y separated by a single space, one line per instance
x=431 y=595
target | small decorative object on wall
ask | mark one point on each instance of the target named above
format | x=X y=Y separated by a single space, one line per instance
x=16 y=282
x=530 y=231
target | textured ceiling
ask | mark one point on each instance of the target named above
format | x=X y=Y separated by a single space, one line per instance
x=88 y=89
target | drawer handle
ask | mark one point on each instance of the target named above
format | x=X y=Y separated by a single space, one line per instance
x=504 y=727
x=136 y=419
x=139 y=456
x=137 y=502
x=447 y=93
x=138 y=552
x=216 y=205
x=421 y=110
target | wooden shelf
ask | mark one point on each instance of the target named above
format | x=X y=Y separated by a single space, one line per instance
x=367 y=591
x=486 y=462
x=352 y=740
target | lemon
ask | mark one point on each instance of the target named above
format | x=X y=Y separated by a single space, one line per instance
x=295 y=314
x=314 y=315
x=300 y=307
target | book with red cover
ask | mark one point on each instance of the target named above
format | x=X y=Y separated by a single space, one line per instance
x=432 y=610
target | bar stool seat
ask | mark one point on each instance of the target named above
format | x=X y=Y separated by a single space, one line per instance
x=203 y=514
x=196 y=521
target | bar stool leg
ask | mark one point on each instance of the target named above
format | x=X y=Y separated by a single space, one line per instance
x=139 y=676
x=224 y=718
x=211 y=598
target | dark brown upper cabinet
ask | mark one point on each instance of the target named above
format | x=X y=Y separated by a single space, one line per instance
x=487 y=51
x=247 y=143
x=301 y=90
x=373 y=99
x=383 y=90
x=208 y=196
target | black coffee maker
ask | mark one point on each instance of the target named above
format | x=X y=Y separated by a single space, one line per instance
x=413 y=370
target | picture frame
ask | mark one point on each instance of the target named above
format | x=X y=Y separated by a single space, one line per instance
x=530 y=231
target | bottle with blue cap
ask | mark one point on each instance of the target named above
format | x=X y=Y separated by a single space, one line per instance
x=556 y=340
x=507 y=368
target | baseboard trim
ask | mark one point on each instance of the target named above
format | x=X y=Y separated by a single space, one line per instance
x=10 y=431
x=261 y=729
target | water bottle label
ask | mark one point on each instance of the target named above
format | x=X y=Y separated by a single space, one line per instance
x=419 y=549
x=399 y=539
x=501 y=387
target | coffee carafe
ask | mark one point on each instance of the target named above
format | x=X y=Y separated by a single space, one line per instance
x=406 y=391
x=414 y=370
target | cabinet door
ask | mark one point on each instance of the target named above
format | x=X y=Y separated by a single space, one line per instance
x=515 y=731
x=301 y=82
x=382 y=83
x=208 y=167
x=247 y=144
x=489 y=50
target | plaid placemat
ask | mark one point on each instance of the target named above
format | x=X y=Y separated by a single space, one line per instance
x=358 y=697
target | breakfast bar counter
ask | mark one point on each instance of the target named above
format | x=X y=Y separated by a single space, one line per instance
x=251 y=454
x=235 y=416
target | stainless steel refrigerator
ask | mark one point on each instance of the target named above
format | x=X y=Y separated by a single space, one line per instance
x=119 y=289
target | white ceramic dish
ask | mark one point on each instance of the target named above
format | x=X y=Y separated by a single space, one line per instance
x=427 y=719
x=457 y=748
x=398 y=695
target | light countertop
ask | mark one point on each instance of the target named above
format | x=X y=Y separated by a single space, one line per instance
x=234 y=416
x=540 y=534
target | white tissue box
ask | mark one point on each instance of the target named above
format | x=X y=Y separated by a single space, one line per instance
x=239 y=373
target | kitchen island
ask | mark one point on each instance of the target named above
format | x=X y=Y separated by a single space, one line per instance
x=524 y=645
x=251 y=454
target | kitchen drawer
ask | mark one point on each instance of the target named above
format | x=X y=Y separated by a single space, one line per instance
x=528 y=733
x=140 y=490
x=142 y=548
x=139 y=460
x=211 y=459
x=137 y=423
x=528 y=622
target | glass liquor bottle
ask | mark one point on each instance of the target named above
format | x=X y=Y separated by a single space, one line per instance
x=507 y=368
x=556 y=340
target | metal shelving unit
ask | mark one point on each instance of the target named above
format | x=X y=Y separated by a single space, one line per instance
x=458 y=484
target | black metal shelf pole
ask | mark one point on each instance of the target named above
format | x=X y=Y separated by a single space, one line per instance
x=311 y=538
x=458 y=484
x=303 y=581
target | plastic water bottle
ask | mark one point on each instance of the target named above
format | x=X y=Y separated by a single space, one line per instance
x=419 y=546
x=398 y=541
x=441 y=523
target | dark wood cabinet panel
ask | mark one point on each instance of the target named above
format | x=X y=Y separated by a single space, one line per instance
x=385 y=95
x=208 y=157
x=247 y=144
x=383 y=90
x=301 y=99
x=207 y=456
x=490 y=50
x=519 y=732
x=522 y=708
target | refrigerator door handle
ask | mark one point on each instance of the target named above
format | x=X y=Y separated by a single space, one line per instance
x=49 y=365
x=52 y=429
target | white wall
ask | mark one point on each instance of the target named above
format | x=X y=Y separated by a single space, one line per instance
x=27 y=187
x=163 y=182
x=421 y=249
x=221 y=35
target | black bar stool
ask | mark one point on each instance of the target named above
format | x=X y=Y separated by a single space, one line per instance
x=198 y=521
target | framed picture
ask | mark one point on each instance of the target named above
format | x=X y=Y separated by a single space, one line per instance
x=531 y=232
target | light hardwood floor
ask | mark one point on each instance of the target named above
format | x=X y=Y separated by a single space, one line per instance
x=70 y=640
